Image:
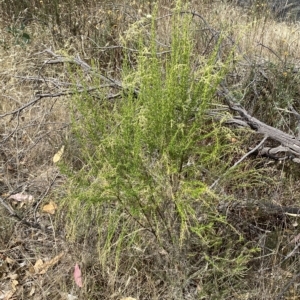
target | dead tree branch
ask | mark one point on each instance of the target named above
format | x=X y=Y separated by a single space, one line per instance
x=290 y=145
x=112 y=83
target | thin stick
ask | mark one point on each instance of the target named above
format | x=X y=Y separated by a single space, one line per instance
x=42 y=198
x=284 y=290
x=16 y=216
x=239 y=161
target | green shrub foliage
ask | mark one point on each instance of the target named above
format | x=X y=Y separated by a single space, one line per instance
x=145 y=162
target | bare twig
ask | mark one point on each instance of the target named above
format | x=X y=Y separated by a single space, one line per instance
x=285 y=289
x=292 y=253
x=77 y=60
x=54 y=95
x=239 y=161
x=17 y=216
x=271 y=50
x=43 y=196
x=18 y=110
x=8 y=207
x=15 y=129
x=293 y=111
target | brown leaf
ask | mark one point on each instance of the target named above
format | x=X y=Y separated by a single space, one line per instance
x=14 y=284
x=9 y=260
x=57 y=157
x=50 y=208
x=41 y=267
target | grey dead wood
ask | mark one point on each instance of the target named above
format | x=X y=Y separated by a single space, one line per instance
x=289 y=144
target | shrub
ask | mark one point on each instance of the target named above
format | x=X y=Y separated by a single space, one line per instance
x=146 y=160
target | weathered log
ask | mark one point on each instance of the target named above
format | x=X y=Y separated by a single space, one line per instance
x=290 y=145
x=258 y=208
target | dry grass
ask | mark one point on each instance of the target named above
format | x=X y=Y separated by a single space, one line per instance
x=31 y=137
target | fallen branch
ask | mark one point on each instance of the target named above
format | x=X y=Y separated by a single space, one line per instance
x=110 y=82
x=280 y=153
x=41 y=96
x=290 y=145
x=78 y=61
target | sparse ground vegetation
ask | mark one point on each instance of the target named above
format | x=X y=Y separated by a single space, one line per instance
x=129 y=148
